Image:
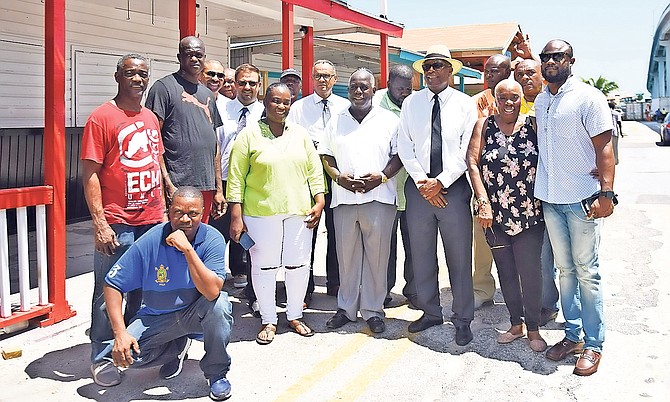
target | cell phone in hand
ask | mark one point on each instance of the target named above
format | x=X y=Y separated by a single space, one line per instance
x=246 y=241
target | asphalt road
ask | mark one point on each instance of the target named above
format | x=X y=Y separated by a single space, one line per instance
x=352 y=364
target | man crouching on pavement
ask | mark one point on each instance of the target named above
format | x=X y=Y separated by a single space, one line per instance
x=180 y=267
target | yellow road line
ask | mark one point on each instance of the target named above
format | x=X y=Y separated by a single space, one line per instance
x=373 y=370
x=324 y=367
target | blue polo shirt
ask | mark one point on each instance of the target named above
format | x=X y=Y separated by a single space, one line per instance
x=161 y=270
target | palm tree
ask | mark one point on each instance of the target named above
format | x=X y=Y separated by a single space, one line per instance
x=602 y=84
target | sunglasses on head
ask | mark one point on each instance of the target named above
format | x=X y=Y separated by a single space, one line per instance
x=437 y=65
x=556 y=57
x=215 y=74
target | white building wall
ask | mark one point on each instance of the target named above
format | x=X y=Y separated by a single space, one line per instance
x=96 y=36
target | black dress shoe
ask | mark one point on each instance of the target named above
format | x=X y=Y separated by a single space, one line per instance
x=423 y=323
x=376 y=324
x=339 y=319
x=387 y=301
x=463 y=334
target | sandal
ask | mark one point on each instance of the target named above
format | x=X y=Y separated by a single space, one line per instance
x=267 y=334
x=508 y=337
x=301 y=328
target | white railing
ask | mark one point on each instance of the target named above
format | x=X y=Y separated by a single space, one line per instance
x=23 y=260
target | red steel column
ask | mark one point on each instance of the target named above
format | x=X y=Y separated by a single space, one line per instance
x=54 y=155
x=186 y=18
x=287 y=45
x=307 y=61
x=383 y=60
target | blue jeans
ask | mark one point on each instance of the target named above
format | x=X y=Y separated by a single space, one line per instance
x=101 y=329
x=575 y=241
x=549 y=291
x=158 y=335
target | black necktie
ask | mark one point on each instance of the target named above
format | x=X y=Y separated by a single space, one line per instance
x=325 y=114
x=435 y=139
x=242 y=122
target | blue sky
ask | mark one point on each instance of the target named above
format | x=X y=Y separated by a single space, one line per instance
x=611 y=38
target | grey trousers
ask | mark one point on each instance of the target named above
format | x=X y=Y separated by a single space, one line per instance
x=363 y=238
x=455 y=225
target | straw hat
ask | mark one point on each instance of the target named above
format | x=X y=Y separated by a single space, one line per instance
x=438 y=52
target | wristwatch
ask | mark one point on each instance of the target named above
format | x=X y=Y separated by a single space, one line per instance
x=608 y=194
x=384 y=178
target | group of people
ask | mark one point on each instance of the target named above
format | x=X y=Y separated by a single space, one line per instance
x=204 y=150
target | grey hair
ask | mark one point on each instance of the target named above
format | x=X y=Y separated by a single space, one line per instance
x=368 y=72
x=508 y=83
x=129 y=56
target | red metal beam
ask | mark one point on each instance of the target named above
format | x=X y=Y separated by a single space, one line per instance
x=343 y=13
x=26 y=197
x=307 y=61
x=186 y=18
x=287 y=45
x=20 y=316
x=383 y=60
x=54 y=154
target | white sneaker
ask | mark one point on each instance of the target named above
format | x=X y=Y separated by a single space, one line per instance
x=105 y=374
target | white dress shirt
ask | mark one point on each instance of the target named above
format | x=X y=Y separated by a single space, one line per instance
x=458 y=115
x=361 y=148
x=227 y=133
x=308 y=113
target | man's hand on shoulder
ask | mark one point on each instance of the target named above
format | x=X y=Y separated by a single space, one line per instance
x=105 y=240
x=178 y=240
x=121 y=353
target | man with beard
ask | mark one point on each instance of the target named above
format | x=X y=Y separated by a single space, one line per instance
x=180 y=267
x=496 y=69
x=229 y=87
x=574 y=133
x=359 y=153
x=528 y=73
x=399 y=87
x=435 y=128
x=120 y=152
x=188 y=117
x=313 y=112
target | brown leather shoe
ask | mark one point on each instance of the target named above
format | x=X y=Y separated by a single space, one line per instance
x=587 y=363
x=563 y=349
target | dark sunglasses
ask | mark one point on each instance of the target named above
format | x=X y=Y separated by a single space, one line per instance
x=243 y=84
x=438 y=65
x=556 y=57
x=215 y=74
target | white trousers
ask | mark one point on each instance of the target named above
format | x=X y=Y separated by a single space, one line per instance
x=281 y=241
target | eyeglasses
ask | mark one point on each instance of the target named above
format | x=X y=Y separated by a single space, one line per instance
x=215 y=74
x=229 y=82
x=556 y=57
x=243 y=84
x=324 y=77
x=438 y=65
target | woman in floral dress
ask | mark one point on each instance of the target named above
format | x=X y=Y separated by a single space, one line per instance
x=502 y=160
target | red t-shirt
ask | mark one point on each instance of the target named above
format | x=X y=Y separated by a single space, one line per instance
x=128 y=146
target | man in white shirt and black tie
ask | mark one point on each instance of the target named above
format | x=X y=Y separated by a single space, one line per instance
x=435 y=127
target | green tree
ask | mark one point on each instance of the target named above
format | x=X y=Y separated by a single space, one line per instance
x=605 y=86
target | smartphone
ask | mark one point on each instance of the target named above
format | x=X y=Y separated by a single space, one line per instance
x=246 y=241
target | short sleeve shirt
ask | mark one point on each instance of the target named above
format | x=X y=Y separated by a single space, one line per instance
x=128 y=146
x=566 y=122
x=189 y=116
x=161 y=271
